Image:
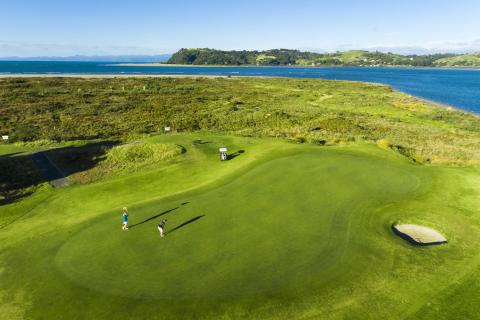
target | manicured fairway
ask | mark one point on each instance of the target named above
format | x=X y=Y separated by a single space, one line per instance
x=281 y=231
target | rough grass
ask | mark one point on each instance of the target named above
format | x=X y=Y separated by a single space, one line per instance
x=137 y=155
x=92 y=162
x=329 y=112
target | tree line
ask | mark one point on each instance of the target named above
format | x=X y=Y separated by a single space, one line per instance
x=283 y=57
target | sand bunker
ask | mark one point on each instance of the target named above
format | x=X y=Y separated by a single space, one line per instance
x=419 y=235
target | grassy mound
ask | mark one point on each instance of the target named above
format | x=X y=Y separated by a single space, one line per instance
x=137 y=155
x=88 y=162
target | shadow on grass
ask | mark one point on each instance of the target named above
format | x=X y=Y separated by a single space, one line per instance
x=13 y=198
x=185 y=224
x=153 y=217
x=236 y=154
x=71 y=160
x=197 y=142
x=19 y=172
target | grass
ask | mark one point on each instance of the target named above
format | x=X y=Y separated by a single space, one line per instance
x=296 y=225
x=334 y=112
x=140 y=154
x=283 y=230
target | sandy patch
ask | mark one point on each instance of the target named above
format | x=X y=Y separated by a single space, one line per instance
x=419 y=235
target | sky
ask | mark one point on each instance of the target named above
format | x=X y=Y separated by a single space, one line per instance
x=107 y=27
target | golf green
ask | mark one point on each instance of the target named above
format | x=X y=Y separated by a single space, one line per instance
x=279 y=227
x=281 y=231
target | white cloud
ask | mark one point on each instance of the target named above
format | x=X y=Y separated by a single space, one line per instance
x=22 y=49
x=430 y=48
x=427 y=48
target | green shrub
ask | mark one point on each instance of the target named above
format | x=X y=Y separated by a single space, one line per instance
x=300 y=138
x=320 y=142
x=24 y=132
x=384 y=144
x=36 y=143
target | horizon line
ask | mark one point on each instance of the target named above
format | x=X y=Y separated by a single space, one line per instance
x=319 y=51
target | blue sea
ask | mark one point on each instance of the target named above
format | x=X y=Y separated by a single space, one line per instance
x=456 y=87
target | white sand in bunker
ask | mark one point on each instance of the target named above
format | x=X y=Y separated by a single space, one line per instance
x=419 y=234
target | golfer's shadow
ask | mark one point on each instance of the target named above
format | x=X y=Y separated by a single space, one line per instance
x=199 y=141
x=185 y=223
x=153 y=217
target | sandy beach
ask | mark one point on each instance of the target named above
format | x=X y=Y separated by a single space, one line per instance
x=89 y=76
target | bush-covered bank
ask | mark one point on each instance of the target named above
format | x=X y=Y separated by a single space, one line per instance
x=317 y=111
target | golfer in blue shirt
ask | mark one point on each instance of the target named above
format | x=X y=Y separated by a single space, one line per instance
x=125 y=219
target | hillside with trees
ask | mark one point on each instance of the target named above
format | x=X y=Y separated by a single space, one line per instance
x=464 y=60
x=285 y=57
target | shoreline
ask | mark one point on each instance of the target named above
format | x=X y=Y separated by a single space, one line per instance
x=155 y=64
x=108 y=76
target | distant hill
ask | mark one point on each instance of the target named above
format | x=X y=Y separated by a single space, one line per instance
x=295 y=57
x=464 y=60
x=112 y=58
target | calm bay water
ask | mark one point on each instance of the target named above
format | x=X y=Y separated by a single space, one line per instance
x=458 y=88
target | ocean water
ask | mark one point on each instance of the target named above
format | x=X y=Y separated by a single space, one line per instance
x=456 y=87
